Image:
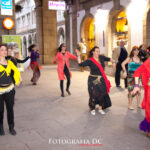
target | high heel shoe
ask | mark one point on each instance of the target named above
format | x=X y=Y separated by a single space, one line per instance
x=68 y=92
x=62 y=95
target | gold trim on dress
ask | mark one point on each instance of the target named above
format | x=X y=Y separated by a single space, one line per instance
x=97 y=80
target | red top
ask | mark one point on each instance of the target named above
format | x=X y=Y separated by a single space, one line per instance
x=144 y=71
x=61 y=60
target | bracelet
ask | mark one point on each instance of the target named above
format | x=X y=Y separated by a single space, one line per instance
x=136 y=85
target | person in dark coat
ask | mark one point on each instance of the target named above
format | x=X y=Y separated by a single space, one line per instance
x=119 y=55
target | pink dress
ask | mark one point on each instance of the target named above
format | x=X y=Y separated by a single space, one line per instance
x=61 y=60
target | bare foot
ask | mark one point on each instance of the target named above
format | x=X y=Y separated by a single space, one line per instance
x=131 y=107
x=139 y=106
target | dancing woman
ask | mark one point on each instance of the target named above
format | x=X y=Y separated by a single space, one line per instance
x=144 y=71
x=34 y=63
x=7 y=89
x=133 y=62
x=62 y=58
x=98 y=84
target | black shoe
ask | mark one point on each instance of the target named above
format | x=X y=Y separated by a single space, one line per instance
x=68 y=92
x=62 y=95
x=12 y=130
x=2 y=132
x=34 y=84
x=118 y=86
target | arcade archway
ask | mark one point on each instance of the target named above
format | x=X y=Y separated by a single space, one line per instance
x=88 y=32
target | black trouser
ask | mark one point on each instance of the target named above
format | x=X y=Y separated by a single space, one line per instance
x=8 y=98
x=67 y=74
x=117 y=74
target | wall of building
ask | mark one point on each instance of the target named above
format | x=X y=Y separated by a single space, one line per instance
x=103 y=14
x=26 y=24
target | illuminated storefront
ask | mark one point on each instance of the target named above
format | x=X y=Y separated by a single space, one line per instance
x=87 y=32
x=110 y=24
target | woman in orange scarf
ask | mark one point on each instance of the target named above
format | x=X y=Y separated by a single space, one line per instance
x=98 y=84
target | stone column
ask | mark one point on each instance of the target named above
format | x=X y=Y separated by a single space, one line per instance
x=47 y=31
x=74 y=24
x=117 y=4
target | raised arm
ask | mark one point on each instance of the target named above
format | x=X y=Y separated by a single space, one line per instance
x=83 y=64
x=72 y=56
x=22 y=61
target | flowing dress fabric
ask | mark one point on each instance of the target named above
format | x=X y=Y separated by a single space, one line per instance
x=144 y=71
x=98 y=92
x=35 y=66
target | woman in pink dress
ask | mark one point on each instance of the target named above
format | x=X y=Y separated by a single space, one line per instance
x=62 y=58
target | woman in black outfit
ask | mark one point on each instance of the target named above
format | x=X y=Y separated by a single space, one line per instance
x=98 y=84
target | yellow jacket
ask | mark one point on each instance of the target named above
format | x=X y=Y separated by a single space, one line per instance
x=8 y=69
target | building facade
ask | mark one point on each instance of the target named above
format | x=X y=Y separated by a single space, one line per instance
x=106 y=22
x=26 y=24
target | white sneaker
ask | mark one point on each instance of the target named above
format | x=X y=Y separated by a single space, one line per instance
x=93 y=112
x=101 y=111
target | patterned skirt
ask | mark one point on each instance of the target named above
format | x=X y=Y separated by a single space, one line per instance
x=98 y=93
x=131 y=83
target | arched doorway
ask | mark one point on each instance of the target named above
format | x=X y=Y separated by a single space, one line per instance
x=88 y=31
x=119 y=28
x=117 y=22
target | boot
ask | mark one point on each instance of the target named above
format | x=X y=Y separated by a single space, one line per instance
x=68 y=92
x=2 y=132
x=62 y=94
x=12 y=130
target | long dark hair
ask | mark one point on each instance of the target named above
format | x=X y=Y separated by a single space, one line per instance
x=92 y=50
x=132 y=52
x=31 y=47
x=60 y=47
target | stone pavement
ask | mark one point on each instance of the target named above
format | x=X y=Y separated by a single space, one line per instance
x=41 y=114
